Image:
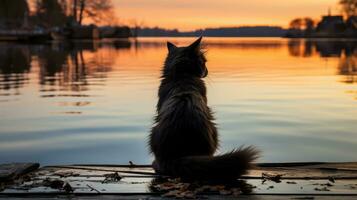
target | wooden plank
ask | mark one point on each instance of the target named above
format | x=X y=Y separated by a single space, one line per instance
x=287 y=170
x=310 y=171
x=127 y=169
x=11 y=171
x=151 y=197
x=283 y=179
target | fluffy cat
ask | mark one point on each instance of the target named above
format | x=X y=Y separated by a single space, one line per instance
x=184 y=137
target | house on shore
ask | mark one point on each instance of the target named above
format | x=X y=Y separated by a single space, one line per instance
x=330 y=26
x=337 y=27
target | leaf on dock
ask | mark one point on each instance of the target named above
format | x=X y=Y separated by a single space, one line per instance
x=64 y=174
x=54 y=184
x=112 y=177
x=331 y=179
x=324 y=189
x=272 y=177
x=178 y=189
x=270 y=187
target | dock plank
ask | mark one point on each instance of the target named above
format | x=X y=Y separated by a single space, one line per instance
x=267 y=180
x=11 y=171
x=211 y=197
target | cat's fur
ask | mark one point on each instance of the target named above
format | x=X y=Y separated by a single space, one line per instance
x=184 y=137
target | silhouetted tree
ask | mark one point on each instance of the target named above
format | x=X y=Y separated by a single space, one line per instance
x=301 y=27
x=294 y=47
x=66 y=7
x=97 y=10
x=309 y=25
x=14 y=66
x=50 y=12
x=348 y=67
x=13 y=12
x=349 y=7
x=296 y=24
x=306 y=24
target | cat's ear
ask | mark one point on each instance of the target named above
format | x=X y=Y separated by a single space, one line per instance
x=171 y=46
x=196 y=46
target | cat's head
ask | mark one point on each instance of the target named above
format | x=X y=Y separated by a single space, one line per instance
x=185 y=61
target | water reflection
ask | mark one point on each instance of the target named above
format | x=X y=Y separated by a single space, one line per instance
x=76 y=66
x=348 y=67
x=14 y=67
x=322 y=48
x=93 y=102
x=223 y=44
x=62 y=66
x=73 y=69
x=344 y=50
x=68 y=67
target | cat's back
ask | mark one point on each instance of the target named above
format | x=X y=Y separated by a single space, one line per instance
x=180 y=97
x=184 y=122
x=184 y=91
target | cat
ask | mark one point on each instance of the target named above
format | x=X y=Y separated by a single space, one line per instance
x=184 y=136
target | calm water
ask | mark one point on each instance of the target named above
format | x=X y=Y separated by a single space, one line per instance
x=94 y=102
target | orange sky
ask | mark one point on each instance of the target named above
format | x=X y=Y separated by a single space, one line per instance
x=193 y=14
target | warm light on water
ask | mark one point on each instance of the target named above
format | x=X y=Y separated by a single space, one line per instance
x=296 y=100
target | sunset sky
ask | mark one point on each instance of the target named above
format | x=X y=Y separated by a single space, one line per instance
x=194 y=14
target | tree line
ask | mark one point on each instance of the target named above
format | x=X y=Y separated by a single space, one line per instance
x=348 y=9
x=50 y=13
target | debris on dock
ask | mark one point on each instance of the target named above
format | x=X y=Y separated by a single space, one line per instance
x=313 y=180
x=9 y=172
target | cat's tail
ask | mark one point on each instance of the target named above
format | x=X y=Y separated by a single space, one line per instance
x=222 y=167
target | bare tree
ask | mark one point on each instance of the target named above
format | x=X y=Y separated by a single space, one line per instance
x=99 y=11
x=82 y=6
x=74 y=6
x=65 y=6
x=349 y=7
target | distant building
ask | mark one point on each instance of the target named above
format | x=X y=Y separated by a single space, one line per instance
x=331 y=24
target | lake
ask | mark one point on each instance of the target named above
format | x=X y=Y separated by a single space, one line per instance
x=94 y=102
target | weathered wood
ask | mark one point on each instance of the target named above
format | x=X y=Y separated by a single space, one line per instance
x=150 y=197
x=11 y=171
x=266 y=181
x=312 y=171
x=124 y=169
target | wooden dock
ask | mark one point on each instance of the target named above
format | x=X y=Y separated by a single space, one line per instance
x=266 y=181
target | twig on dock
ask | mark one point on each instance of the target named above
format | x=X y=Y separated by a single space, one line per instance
x=92 y=188
x=105 y=170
